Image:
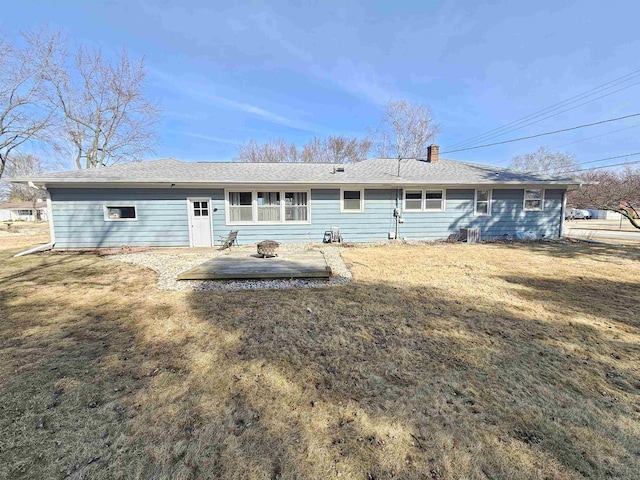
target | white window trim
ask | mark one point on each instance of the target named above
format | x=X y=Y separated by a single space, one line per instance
x=524 y=200
x=254 y=205
x=116 y=205
x=404 y=200
x=489 y=203
x=190 y=201
x=361 y=190
x=444 y=199
x=423 y=200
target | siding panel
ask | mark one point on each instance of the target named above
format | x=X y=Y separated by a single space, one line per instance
x=507 y=216
x=371 y=225
x=163 y=217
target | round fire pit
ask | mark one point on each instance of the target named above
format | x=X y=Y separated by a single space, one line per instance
x=268 y=248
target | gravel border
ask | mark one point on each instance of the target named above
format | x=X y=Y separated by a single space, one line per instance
x=168 y=264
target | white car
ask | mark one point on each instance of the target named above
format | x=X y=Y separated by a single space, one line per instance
x=578 y=213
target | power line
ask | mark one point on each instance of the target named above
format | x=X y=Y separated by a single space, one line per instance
x=598 y=136
x=590 y=161
x=557 y=113
x=556 y=106
x=604 y=166
x=609 y=158
x=542 y=134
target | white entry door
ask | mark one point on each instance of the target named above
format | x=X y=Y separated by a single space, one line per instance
x=200 y=222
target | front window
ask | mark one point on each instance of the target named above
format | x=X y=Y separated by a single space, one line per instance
x=352 y=200
x=296 y=207
x=240 y=207
x=268 y=206
x=25 y=212
x=120 y=213
x=534 y=200
x=483 y=202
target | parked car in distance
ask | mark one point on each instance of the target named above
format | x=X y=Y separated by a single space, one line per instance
x=577 y=214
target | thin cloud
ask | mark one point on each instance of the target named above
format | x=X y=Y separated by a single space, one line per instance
x=208 y=138
x=358 y=80
x=200 y=92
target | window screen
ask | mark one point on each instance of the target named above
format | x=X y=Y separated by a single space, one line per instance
x=533 y=199
x=433 y=200
x=240 y=207
x=296 y=207
x=413 y=200
x=352 y=200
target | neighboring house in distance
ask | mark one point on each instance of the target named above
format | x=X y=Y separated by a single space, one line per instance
x=172 y=203
x=604 y=214
x=23 y=211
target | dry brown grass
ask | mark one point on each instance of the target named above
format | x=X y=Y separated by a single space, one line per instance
x=444 y=361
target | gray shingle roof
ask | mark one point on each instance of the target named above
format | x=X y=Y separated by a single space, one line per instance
x=377 y=171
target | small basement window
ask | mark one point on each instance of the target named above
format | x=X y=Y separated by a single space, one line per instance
x=120 y=213
x=352 y=200
x=534 y=200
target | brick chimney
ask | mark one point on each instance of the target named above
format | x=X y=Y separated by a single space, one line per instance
x=433 y=153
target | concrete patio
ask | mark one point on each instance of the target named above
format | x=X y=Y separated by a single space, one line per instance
x=245 y=265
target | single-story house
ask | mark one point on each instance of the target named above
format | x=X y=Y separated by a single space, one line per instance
x=23 y=211
x=172 y=203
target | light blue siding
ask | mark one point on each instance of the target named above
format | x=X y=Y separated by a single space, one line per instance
x=507 y=216
x=78 y=217
x=371 y=225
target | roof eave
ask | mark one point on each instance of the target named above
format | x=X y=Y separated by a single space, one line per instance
x=70 y=183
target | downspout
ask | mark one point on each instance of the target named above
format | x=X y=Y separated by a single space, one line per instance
x=52 y=233
x=563 y=213
x=396 y=214
x=396 y=211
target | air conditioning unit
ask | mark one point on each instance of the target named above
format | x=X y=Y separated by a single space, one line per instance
x=470 y=235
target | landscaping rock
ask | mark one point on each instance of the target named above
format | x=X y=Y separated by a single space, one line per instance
x=168 y=264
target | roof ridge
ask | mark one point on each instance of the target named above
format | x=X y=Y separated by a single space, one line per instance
x=268 y=163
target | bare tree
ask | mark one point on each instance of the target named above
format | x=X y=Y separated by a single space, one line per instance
x=24 y=117
x=406 y=131
x=24 y=165
x=270 y=152
x=544 y=160
x=333 y=149
x=105 y=117
x=336 y=149
x=616 y=191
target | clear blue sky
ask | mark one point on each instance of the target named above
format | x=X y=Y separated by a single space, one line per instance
x=225 y=72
